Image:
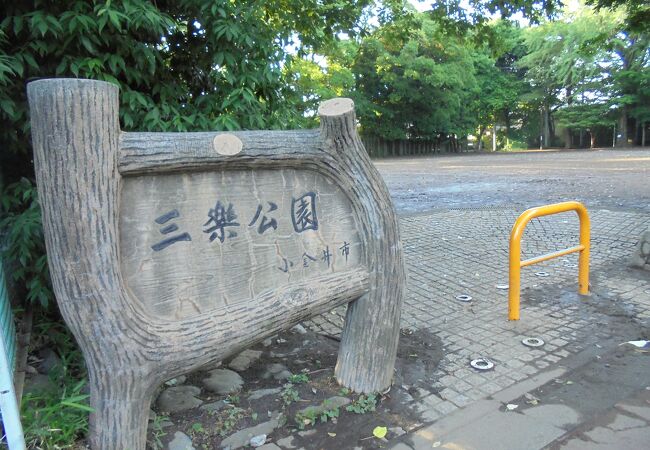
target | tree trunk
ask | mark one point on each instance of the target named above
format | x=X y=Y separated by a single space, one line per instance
x=567 y=138
x=547 y=126
x=622 y=128
x=592 y=140
x=541 y=128
x=567 y=130
x=494 y=138
x=643 y=134
x=481 y=132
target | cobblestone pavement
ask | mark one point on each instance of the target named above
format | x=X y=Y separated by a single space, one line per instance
x=455 y=245
x=465 y=251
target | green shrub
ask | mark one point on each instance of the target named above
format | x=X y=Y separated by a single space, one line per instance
x=21 y=227
x=310 y=416
x=56 y=415
x=289 y=394
x=363 y=404
x=298 y=378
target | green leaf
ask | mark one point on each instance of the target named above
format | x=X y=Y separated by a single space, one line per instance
x=18 y=24
x=8 y=107
x=88 y=45
x=60 y=69
x=79 y=406
x=39 y=23
x=29 y=59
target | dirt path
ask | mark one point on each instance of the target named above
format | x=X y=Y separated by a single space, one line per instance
x=611 y=179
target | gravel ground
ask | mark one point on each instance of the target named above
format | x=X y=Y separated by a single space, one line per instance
x=602 y=179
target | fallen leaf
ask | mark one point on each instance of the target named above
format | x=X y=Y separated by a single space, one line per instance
x=531 y=399
x=511 y=406
x=436 y=444
x=379 y=432
x=331 y=434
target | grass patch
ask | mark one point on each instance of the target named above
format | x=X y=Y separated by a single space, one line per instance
x=56 y=416
x=56 y=419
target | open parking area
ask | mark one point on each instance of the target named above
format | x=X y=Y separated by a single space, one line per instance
x=456 y=216
x=608 y=178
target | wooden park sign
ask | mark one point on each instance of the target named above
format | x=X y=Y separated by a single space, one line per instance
x=172 y=251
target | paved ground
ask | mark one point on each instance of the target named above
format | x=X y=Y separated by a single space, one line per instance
x=584 y=389
x=612 y=179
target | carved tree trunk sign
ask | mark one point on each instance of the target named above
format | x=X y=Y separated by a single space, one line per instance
x=171 y=251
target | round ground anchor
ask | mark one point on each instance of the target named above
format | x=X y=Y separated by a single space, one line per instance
x=482 y=364
x=464 y=298
x=542 y=274
x=532 y=342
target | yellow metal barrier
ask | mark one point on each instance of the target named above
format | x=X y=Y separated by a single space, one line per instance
x=515 y=250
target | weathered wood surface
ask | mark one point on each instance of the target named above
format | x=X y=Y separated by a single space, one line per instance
x=83 y=164
x=192 y=272
x=369 y=341
x=167 y=152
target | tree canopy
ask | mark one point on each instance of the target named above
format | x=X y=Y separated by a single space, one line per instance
x=415 y=84
x=455 y=71
x=181 y=65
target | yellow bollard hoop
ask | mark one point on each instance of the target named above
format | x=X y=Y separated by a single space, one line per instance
x=515 y=250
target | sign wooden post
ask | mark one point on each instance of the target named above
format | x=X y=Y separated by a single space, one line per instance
x=172 y=251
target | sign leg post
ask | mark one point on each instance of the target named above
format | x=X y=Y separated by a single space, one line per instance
x=368 y=348
x=75 y=132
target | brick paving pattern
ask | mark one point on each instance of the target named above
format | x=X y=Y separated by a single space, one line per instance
x=465 y=251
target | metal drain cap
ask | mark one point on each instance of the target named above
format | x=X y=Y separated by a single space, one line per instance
x=533 y=342
x=542 y=274
x=464 y=298
x=502 y=287
x=482 y=364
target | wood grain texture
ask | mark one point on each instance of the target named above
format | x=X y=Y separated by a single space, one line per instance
x=368 y=348
x=194 y=272
x=171 y=152
x=81 y=158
